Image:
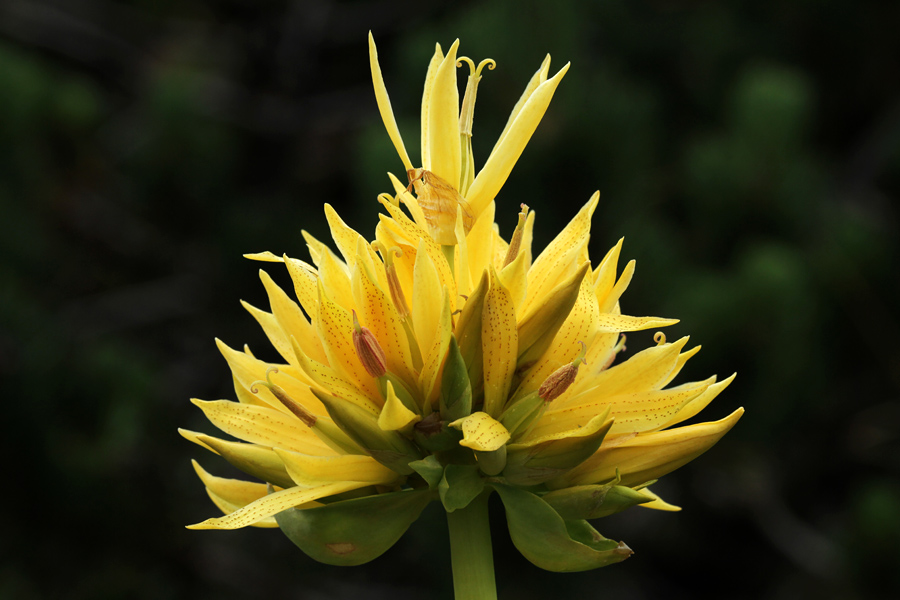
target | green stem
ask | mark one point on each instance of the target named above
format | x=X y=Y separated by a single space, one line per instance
x=470 y=551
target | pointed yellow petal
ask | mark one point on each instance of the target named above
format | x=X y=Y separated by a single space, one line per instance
x=539 y=77
x=316 y=247
x=433 y=357
x=395 y=416
x=480 y=240
x=645 y=371
x=233 y=491
x=335 y=328
x=501 y=161
x=275 y=503
x=306 y=284
x=257 y=461
x=228 y=508
x=443 y=120
x=377 y=312
x=514 y=278
x=336 y=385
x=310 y=471
x=499 y=343
x=291 y=319
x=697 y=404
x=605 y=275
x=679 y=364
x=658 y=503
x=650 y=455
x=610 y=322
x=335 y=278
x=263 y=426
x=264 y=257
x=436 y=60
x=621 y=285
x=560 y=258
x=277 y=336
x=481 y=432
x=344 y=236
x=426 y=299
x=384 y=104
x=410 y=201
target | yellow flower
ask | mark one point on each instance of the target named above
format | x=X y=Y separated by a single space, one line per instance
x=439 y=358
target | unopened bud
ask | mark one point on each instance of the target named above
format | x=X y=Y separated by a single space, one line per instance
x=368 y=349
x=560 y=380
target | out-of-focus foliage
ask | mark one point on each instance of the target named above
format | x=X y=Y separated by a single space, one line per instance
x=748 y=151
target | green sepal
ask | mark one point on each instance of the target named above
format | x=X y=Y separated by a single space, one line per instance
x=493 y=462
x=353 y=532
x=434 y=435
x=468 y=333
x=456 y=388
x=518 y=416
x=256 y=461
x=594 y=501
x=389 y=448
x=460 y=485
x=536 y=461
x=431 y=470
x=549 y=542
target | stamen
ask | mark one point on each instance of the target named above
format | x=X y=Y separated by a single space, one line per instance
x=467 y=60
x=660 y=338
x=385 y=197
x=390 y=271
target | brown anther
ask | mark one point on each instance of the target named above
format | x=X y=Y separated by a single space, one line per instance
x=560 y=380
x=297 y=409
x=368 y=350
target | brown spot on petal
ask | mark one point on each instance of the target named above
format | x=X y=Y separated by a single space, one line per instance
x=341 y=548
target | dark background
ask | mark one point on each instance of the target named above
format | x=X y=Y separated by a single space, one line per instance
x=749 y=152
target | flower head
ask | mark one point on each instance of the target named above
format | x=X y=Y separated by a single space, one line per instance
x=439 y=360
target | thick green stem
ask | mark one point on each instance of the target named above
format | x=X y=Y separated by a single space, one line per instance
x=470 y=551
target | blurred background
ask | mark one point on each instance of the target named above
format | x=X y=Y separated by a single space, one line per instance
x=748 y=151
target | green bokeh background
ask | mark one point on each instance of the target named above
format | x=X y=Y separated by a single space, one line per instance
x=749 y=152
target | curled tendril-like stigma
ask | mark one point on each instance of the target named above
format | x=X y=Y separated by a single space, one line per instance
x=387 y=254
x=474 y=71
x=580 y=359
x=254 y=387
x=660 y=338
x=385 y=197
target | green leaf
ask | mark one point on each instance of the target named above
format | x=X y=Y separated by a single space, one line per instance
x=456 y=389
x=431 y=470
x=353 y=532
x=459 y=486
x=545 y=539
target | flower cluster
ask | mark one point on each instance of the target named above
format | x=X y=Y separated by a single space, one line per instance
x=439 y=361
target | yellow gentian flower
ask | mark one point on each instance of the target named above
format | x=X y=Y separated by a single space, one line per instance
x=439 y=361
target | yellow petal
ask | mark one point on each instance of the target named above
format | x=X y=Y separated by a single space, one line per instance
x=605 y=274
x=436 y=60
x=560 y=259
x=650 y=455
x=377 y=312
x=426 y=299
x=264 y=257
x=316 y=248
x=679 y=364
x=263 y=426
x=499 y=343
x=645 y=371
x=258 y=461
x=277 y=336
x=658 y=503
x=409 y=200
x=610 y=322
x=291 y=319
x=539 y=77
x=275 y=503
x=344 y=236
x=514 y=278
x=697 y=404
x=306 y=284
x=234 y=493
x=384 y=104
x=433 y=357
x=480 y=240
x=336 y=384
x=229 y=507
x=443 y=120
x=394 y=415
x=481 y=432
x=335 y=328
x=621 y=285
x=504 y=156
x=310 y=471
x=295 y=383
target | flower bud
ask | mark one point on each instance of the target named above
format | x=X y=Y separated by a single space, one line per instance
x=368 y=349
x=560 y=380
